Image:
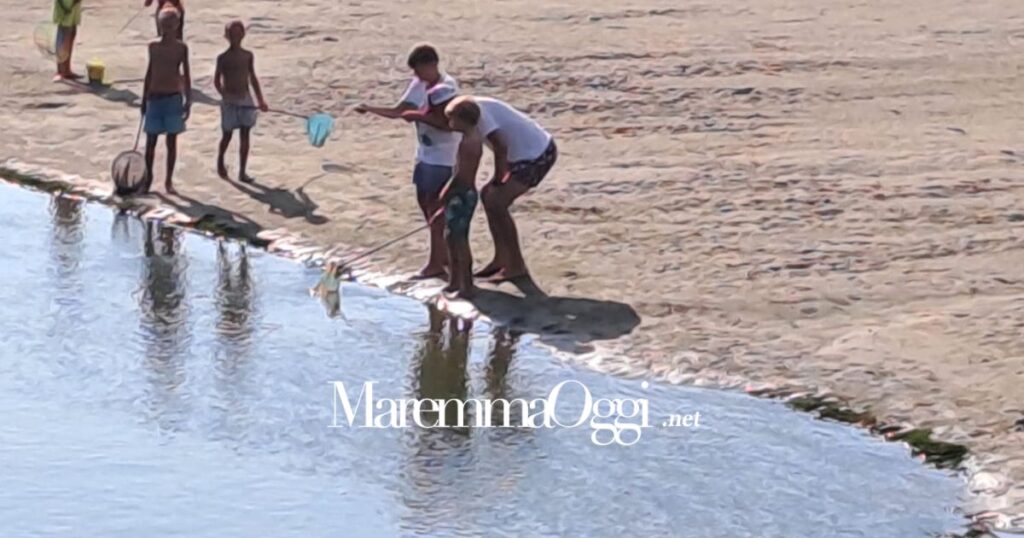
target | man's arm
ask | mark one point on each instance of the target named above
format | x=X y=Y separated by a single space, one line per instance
x=500 y=156
x=256 y=83
x=188 y=84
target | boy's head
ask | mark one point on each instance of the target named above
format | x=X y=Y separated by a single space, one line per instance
x=463 y=113
x=169 y=19
x=440 y=95
x=234 y=31
x=423 y=60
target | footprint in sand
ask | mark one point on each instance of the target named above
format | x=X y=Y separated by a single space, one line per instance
x=332 y=168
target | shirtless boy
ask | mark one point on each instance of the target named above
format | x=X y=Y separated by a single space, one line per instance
x=166 y=95
x=459 y=195
x=233 y=77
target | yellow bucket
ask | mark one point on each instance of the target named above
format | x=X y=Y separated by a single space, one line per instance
x=95 y=69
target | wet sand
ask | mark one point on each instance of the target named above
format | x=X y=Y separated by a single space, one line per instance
x=826 y=196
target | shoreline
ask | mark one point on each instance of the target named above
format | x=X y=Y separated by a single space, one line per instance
x=919 y=442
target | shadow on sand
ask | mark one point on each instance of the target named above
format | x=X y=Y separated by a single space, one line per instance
x=567 y=323
x=283 y=201
x=107 y=93
x=123 y=95
x=215 y=219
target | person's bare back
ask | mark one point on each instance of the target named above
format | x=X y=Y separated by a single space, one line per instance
x=235 y=68
x=167 y=64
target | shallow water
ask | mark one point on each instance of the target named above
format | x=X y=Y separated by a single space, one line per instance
x=154 y=381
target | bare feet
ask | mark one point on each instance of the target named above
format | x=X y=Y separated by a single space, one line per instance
x=70 y=75
x=170 y=188
x=222 y=171
x=488 y=270
x=504 y=275
x=245 y=178
x=450 y=288
x=429 y=272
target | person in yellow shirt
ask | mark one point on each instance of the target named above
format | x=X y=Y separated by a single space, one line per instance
x=67 y=15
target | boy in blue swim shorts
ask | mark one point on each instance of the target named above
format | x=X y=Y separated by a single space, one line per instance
x=166 y=95
x=460 y=197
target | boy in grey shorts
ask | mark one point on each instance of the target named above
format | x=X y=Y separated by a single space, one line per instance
x=235 y=74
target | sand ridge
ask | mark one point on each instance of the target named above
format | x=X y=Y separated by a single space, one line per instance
x=826 y=195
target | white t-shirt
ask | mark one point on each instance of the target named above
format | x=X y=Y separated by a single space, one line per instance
x=434 y=146
x=525 y=138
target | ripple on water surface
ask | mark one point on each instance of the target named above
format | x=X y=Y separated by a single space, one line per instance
x=153 y=380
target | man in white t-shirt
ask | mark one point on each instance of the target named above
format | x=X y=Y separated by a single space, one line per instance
x=524 y=153
x=435 y=149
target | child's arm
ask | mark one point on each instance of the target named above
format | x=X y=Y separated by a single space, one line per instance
x=415 y=96
x=188 y=83
x=392 y=112
x=218 y=73
x=145 y=81
x=256 y=83
x=434 y=118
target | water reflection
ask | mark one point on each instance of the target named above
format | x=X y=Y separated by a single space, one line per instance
x=251 y=450
x=163 y=309
x=234 y=301
x=235 y=330
x=64 y=282
x=442 y=367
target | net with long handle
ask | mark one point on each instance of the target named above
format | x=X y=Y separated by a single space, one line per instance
x=319 y=126
x=129 y=169
x=45 y=37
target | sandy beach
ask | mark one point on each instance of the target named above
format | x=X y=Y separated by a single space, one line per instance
x=821 y=195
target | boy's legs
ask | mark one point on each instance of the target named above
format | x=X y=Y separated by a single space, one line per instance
x=151 y=140
x=465 y=263
x=225 y=141
x=429 y=180
x=243 y=154
x=172 y=156
x=458 y=216
x=437 y=257
x=65 y=47
x=172 y=111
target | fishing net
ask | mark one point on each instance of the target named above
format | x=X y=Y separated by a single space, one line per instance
x=45 y=37
x=319 y=127
x=128 y=172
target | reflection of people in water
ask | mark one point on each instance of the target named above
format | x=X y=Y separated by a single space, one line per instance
x=234 y=296
x=442 y=368
x=498 y=361
x=236 y=325
x=68 y=227
x=163 y=315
